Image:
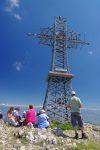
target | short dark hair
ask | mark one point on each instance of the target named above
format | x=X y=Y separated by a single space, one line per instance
x=11 y=108
x=31 y=106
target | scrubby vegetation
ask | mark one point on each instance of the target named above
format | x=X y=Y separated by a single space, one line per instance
x=20 y=138
x=64 y=126
x=89 y=145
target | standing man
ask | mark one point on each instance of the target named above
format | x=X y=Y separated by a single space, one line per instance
x=75 y=104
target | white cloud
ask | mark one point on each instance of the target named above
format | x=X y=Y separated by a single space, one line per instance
x=18 y=66
x=90 y=52
x=17 y=16
x=14 y=3
x=11 y=6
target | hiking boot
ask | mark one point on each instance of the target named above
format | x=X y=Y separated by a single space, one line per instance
x=76 y=136
x=84 y=136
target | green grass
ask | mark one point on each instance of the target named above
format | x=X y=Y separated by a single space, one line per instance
x=90 y=145
x=24 y=141
x=64 y=126
x=8 y=124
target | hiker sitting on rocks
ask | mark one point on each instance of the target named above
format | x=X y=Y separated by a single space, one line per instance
x=75 y=104
x=42 y=119
x=1 y=118
x=23 y=118
x=16 y=113
x=10 y=118
x=1 y=115
x=24 y=114
x=31 y=115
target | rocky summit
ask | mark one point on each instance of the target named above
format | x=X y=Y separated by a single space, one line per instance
x=30 y=138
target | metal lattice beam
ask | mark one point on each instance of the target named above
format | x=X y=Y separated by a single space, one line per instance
x=59 y=38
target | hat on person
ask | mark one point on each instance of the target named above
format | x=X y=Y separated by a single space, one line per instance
x=73 y=93
x=42 y=111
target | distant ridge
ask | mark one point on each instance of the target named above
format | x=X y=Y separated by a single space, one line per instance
x=8 y=105
x=40 y=106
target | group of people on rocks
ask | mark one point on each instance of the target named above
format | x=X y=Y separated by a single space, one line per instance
x=39 y=120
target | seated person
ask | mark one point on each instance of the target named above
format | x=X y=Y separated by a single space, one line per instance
x=16 y=113
x=1 y=115
x=24 y=114
x=42 y=120
x=10 y=118
x=31 y=115
x=23 y=118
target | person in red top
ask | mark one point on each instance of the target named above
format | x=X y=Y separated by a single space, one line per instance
x=31 y=115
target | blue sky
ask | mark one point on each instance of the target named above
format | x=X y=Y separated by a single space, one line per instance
x=24 y=64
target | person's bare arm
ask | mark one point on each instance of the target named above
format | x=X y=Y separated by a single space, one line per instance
x=68 y=105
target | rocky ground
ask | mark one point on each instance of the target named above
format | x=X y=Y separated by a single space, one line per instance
x=30 y=138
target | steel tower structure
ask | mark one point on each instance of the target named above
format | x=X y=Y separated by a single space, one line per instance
x=59 y=38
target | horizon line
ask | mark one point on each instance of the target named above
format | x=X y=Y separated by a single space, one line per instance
x=20 y=105
x=39 y=106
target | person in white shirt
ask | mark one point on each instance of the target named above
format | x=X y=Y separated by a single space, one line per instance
x=75 y=106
